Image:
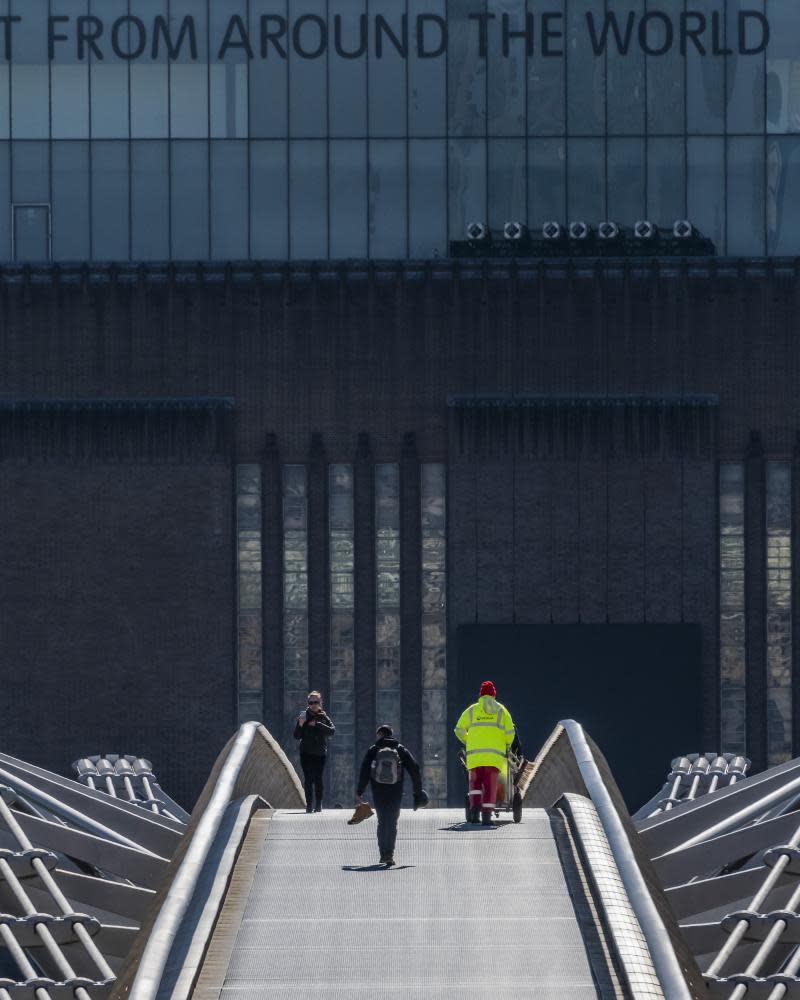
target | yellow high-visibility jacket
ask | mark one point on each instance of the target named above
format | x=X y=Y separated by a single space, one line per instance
x=487 y=731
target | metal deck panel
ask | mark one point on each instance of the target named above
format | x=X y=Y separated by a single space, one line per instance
x=322 y=915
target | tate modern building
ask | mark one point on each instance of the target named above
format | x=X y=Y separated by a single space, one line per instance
x=383 y=346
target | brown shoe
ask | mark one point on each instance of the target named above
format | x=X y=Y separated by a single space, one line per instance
x=362 y=811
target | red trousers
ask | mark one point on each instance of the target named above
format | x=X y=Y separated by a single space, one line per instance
x=483 y=787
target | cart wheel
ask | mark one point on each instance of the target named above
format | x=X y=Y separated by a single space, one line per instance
x=516 y=807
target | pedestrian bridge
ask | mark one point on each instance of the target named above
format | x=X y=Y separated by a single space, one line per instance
x=108 y=891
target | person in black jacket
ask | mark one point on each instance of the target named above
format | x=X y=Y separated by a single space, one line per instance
x=384 y=767
x=314 y=728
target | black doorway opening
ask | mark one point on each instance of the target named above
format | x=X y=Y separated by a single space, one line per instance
x=634 y=688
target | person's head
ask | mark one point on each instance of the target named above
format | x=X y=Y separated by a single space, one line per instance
x=487 y=688
x=384 y=731
x=314 y=701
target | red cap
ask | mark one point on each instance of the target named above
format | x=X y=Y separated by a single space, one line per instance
x=488 y=688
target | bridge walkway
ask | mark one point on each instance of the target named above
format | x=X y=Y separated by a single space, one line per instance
x=311 y=912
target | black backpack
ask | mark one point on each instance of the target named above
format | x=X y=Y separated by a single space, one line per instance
x=387 y=768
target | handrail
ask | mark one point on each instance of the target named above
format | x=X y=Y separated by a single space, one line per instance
x=241 y=769
x=165 y=929
x=554 y=775
x=664 y=959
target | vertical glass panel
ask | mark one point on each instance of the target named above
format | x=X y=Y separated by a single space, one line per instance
x=109 y=90
x=745 y=196
x=666 y=181
x=783 y=67
x=31 y=171
x=342 y=699
x=435 y=730
x=467 y=194
x=110 y=193
x=308 y=72
x=625 y=72
x=586 y=181
x=31 y=233
x=507 y=182
x=149 y=77
x=731 y=606
x=387 y=71
x=510 y=42
x=626 y=180
x=229 y=201
x=387 y=199
x=347 y=67
x=427 y=198
x=466 y=70
x=5 y=92
x=70 y=215
x=269 y=69
x=388 y=678
x=665 y=69
x=779 y=612
x=547 y=181
x=149 y=201
x=295 y=597
x=427 y=73
x=5 y=200
x=745 y=73
x=308 y=199
x=348 y=212
x=30 y=77
x=230 y=46
x=705 y=72
x=783 y=195
x=188 y=70
x=189 y=206
x=547 y=78
x=705 y=187
x=248 y=591
x=69 y=74
x=269 y=216
x=586 y=72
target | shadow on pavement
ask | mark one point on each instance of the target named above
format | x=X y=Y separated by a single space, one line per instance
x=375 y=868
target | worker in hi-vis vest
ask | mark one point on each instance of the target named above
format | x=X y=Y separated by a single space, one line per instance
x=487 y=731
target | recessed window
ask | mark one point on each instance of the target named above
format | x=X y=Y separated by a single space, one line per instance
x=31 y=232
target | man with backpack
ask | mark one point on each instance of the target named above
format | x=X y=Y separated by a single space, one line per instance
x=384 y=767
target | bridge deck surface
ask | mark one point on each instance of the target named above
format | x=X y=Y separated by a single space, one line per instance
x=467 y=912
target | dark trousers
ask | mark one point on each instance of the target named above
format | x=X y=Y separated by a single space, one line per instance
x=388 y=810
x=313 y=767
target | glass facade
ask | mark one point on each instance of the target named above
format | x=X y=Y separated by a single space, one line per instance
x=256 y=129
x=342 y=621
x=249 y=556
x=435 y=731
x=779 y=612
x=295 y=599
x=387 y=592
x=732 y=648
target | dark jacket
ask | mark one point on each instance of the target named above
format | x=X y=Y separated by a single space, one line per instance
x=389 y=791
x=314 y=739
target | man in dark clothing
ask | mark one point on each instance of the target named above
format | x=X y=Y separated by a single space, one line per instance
x=314 y=728
x=384 y=767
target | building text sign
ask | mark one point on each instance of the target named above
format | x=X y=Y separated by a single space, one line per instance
x=540 y=33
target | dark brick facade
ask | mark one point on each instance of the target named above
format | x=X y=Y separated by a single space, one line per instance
x=377 y=350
